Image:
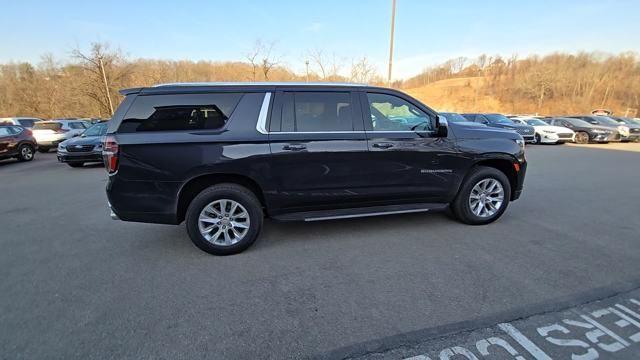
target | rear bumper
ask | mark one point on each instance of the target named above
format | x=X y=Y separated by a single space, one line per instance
x=144 y=201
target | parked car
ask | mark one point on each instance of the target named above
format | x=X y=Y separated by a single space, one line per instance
x=220 y=157
x=605 y=121
x=634 y=127
x=546 y=133
x=17 y=142
x=52 y=132
x=586 y=132
x=25 y=122
x=85 y=148
x=500 y=121
x=459 y=119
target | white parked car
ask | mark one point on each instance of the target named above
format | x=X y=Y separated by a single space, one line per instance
x=545 y=133
x=50 y=133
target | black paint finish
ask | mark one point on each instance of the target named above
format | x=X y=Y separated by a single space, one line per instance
x=294 y=172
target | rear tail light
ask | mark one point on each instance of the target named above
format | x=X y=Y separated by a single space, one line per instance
x=110 y=153
x=28 y=132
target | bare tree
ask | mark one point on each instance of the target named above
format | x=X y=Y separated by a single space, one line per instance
x=362 y=71
x=104 y=70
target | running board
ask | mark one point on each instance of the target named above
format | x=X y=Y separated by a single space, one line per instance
x=359 y=212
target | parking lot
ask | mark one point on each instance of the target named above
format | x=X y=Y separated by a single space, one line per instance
x=76 y=284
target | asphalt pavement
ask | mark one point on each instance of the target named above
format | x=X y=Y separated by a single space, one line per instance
x=75 y=284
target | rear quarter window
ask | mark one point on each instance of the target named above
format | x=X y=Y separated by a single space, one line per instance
x=182 y=112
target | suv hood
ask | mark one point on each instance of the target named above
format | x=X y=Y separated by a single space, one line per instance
x=464 y=131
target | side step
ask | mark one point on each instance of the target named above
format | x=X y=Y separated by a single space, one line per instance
x=359 y=212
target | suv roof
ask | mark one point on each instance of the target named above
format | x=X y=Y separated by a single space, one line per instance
x=207 y=86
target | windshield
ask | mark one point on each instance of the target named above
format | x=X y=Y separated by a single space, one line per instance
x=454 y=117
x=577 y=122
x=606 y=120
x=96 y=130
x=498 y=119
x=536 y=122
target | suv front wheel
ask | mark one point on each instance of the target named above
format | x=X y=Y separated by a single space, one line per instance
x=483 y=196
x=224 y=219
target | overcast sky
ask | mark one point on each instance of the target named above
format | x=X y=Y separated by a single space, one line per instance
x=427 y=31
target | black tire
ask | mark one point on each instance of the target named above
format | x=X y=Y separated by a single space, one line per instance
x=537 y=139
x=460 y=205
x=25 y=152
x=75 y=164
x=43 y=149
x=582 y=137
x=237 y=193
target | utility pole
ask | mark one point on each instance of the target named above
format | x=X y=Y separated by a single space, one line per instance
x=106 y=85
x=393 y=21
x=306 y=62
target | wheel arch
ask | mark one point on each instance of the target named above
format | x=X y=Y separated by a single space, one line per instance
x=195 y=185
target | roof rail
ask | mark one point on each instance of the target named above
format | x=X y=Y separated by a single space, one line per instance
x=266 y=83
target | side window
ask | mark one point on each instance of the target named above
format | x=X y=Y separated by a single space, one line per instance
x=391 y=113
x=16 y=129
x=315 y=112
x=4 y=131
x=482 y=119
x=76 y=125
x=184 y=112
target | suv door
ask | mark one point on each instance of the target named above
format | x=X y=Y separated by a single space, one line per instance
x=6 y=138
x=318 y=148
x=408 y=161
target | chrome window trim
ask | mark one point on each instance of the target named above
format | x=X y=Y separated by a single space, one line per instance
x=261 y=125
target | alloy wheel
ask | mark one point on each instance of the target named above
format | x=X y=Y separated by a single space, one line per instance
x=486 y=198
x=26 y=152
x=224 y=222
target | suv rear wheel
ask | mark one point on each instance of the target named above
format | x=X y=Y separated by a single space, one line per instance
x=25 y=152
x=224 y=219
x=483 y=196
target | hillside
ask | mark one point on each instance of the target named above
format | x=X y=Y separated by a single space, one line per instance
x=459 y=95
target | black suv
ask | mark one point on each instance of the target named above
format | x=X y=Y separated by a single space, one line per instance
x=500 y=121
x=222 y=156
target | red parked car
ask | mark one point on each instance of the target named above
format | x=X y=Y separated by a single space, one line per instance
x=17 y=142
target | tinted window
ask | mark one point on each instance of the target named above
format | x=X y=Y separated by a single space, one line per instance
x=76 y=125
x=391 y=113
x=180 y=112
x=313 y=112
x=4 y=131
x=498 y=119
x=469 y=117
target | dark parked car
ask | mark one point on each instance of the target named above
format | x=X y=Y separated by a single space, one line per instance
x=500 y=121
x=17 y=142
x=607 y=122
x=222 y=156
x=634 y=127
x=586 y=132
x=84 y=148
x=459 y=119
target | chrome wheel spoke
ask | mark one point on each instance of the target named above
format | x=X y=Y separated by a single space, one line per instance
x=224 y=222
x=486 y=197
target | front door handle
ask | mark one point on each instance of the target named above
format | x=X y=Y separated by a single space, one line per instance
x=294 y=147
x=382 y=145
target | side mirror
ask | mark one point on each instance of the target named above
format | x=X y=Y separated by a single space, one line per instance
x=442 y=126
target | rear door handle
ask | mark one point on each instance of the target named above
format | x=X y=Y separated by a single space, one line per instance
x=294 y=147
x=382 y=145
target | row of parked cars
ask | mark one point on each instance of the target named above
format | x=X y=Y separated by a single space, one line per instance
x=76 y=140
x=581 y=129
